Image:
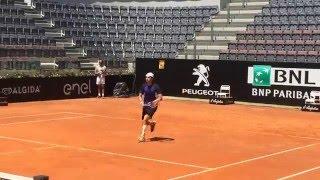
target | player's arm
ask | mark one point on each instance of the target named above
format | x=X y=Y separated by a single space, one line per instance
x=141 y=95
x=159 y=98
x=158 y=95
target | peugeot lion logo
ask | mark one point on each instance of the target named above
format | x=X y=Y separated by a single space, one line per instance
x=202 y=72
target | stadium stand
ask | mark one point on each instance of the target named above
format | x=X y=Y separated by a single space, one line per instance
x=49 y=29
x=222 y=29
x=285 y=31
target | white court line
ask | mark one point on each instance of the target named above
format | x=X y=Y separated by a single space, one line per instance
x=14 y=177
x=105 y=116
x=206 y=127
x=300 y=173
x=286 y=135
x=10 y=152
x=31 y=115
x=270 y=134
x=45 y=148
x=21 y=151
x=42 y=120
x=244 y=161
x=103 y=152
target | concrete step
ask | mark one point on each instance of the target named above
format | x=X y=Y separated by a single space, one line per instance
x=240 y=1
x=180 y=56
x=198 y=57
x=207 y=47
x=229 y=29
x=221 y=31
x=208 y=57
x=232 y=24
x=208 y=38
x=233 y=16
x=203 y=52
x=247 y=6
x=237 y=20
x=208 y=43
x=239 y=12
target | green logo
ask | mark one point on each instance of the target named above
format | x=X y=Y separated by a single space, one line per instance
x=261 y=75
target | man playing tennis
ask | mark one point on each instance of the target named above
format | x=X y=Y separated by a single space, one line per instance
x=150 y=95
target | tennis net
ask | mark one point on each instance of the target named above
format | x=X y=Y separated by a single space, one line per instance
x=7 y=176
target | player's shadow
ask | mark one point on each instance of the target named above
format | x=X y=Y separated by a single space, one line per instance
x=160 y=139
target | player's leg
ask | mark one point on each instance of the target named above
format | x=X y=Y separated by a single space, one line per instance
x=102 y=89
x=145 y=122
x=99 y=86
x=99 y=90
x=152 y=125
x=152 y=122
x=98 y=83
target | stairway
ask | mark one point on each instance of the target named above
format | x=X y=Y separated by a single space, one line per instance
x=219 y=32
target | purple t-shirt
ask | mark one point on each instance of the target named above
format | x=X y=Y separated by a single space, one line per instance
x=149 y=92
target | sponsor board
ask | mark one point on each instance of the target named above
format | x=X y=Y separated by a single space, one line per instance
x=16 y=90
x=202 y=72
x=77 y=88
x=265 y=75
x=259 y=82
x=33 y=89
x=265 y=79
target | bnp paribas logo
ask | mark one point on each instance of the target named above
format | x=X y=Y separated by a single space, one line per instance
x=261 y=75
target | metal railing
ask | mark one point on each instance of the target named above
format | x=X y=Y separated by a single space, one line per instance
x=224 y=3
x=195 y=48
x=212 y=32
x=228 y=9
x=228 y=14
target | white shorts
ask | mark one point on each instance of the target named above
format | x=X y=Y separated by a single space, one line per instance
x=101 y=80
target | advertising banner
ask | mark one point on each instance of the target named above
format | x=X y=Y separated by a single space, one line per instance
x=31 y=89
x=260 y=82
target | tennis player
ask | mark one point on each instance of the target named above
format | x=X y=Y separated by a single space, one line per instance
x=100 y=71
x=150 y=95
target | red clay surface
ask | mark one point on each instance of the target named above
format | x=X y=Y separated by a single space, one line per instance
x=97 y=139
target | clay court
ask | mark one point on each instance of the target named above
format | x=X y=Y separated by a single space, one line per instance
x=97 y=139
